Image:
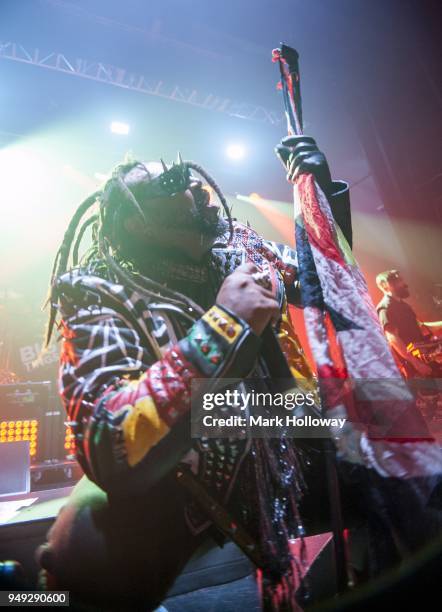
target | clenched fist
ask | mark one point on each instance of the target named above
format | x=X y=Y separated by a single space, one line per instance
x=248 y=300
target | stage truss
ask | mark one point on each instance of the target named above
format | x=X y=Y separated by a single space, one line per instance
x=120 y=77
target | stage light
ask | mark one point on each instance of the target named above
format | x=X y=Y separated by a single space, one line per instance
x=236 y=151
x=17 y=431
x=69 y=442
x=102 y=178
x=118 y=127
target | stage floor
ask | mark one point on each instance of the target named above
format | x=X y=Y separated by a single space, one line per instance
x=32 y=506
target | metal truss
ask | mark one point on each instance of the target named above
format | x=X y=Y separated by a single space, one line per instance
x=119 y=77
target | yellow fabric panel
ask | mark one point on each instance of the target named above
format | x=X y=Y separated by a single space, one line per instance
x=134 y=383
x=223 y=324
x=345 y=247
x=294 y=354
x=142 y=428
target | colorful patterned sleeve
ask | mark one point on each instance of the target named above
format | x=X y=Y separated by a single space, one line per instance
x=122 y=401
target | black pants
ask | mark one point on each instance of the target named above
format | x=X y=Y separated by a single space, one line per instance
x=236 y=596
x=136 y=553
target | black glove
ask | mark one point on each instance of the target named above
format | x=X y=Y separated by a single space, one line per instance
x=301 y=154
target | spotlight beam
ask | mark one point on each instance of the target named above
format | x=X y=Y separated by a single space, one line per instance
x=118 y=127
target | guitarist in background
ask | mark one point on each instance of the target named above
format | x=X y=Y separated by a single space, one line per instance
x=401 y=325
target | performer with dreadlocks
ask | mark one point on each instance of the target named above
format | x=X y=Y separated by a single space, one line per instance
x=169 y=293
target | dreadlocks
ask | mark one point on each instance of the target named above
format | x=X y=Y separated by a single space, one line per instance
x=114 y=201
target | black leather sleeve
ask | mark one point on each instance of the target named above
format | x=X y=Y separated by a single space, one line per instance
x=340 y=207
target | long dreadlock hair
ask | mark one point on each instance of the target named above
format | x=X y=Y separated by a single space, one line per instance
x=104 y=210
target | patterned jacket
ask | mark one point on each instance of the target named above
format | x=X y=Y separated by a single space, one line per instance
x=127 y=401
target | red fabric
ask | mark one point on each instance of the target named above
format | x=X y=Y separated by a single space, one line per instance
x=167 y=382
x=316 y=224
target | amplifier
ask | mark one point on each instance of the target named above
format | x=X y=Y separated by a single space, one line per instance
x=24 y=417
x=30 y=412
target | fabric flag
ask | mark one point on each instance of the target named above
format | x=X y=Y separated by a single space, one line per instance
x=384 y=429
